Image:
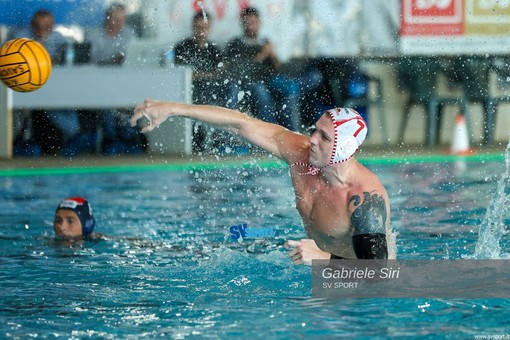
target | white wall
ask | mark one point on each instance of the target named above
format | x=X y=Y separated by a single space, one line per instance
x=296 y=27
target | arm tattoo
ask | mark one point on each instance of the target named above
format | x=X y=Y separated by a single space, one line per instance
x=369 y=221
x=370 y=215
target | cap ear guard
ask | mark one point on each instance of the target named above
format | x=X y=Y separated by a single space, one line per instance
x=88 y=226
x=346 y=147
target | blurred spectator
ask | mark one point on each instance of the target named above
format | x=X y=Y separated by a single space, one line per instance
x=253 y=66
x=108 y=47
x=40 y=131
x=276 y=90
x=42 y=30
x=206 y=59
x=109 y=43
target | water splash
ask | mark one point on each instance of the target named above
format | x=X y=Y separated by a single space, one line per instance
x=493 y=226
x=122 y=118
x=392 y=244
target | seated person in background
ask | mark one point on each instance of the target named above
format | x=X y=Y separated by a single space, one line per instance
x=206 y=59
x=51 y=130
x=252 y=67
x=108 y=47
x=74 y=220
x=42 y=30
x=109 y=42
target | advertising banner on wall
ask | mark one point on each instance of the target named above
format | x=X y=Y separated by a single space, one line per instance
x=17 y=13
x=452 y=27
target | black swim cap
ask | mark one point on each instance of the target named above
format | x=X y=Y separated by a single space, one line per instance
x=83 y=209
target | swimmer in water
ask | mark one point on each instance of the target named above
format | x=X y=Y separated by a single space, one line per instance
x=344 y=207
x=74 y=220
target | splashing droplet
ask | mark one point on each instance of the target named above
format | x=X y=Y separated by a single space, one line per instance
x=493 y=226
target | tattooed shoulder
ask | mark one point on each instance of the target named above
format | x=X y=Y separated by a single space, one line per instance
x=369 y=215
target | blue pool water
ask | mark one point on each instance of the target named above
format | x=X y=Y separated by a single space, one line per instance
x=171 y=269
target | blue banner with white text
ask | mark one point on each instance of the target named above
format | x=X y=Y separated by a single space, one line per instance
x=17 y=13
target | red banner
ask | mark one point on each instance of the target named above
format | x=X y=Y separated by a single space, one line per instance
x=432 y=17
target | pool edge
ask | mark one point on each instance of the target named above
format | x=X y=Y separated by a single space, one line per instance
x=179 y=164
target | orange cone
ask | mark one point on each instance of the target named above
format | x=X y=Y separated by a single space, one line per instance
x=460 y=138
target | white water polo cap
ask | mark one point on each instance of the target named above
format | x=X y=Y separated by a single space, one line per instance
x=350 y=132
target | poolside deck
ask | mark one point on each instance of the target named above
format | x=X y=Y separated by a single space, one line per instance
x=393 y=154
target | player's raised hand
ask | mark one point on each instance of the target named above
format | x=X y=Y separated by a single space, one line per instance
x=154 y=111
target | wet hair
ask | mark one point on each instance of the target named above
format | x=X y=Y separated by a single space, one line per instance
x=82 y=208
x=200 y=15
x=249 y=11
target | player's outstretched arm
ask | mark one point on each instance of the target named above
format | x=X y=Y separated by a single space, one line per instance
x=284 y=144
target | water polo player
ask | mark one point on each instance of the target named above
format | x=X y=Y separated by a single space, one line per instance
x=344 y=207
x=74 y=219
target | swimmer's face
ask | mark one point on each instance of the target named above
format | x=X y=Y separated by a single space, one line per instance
x=322 y=141
x=67 y=224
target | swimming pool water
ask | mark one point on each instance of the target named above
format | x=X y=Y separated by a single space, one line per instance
x=171 y=269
